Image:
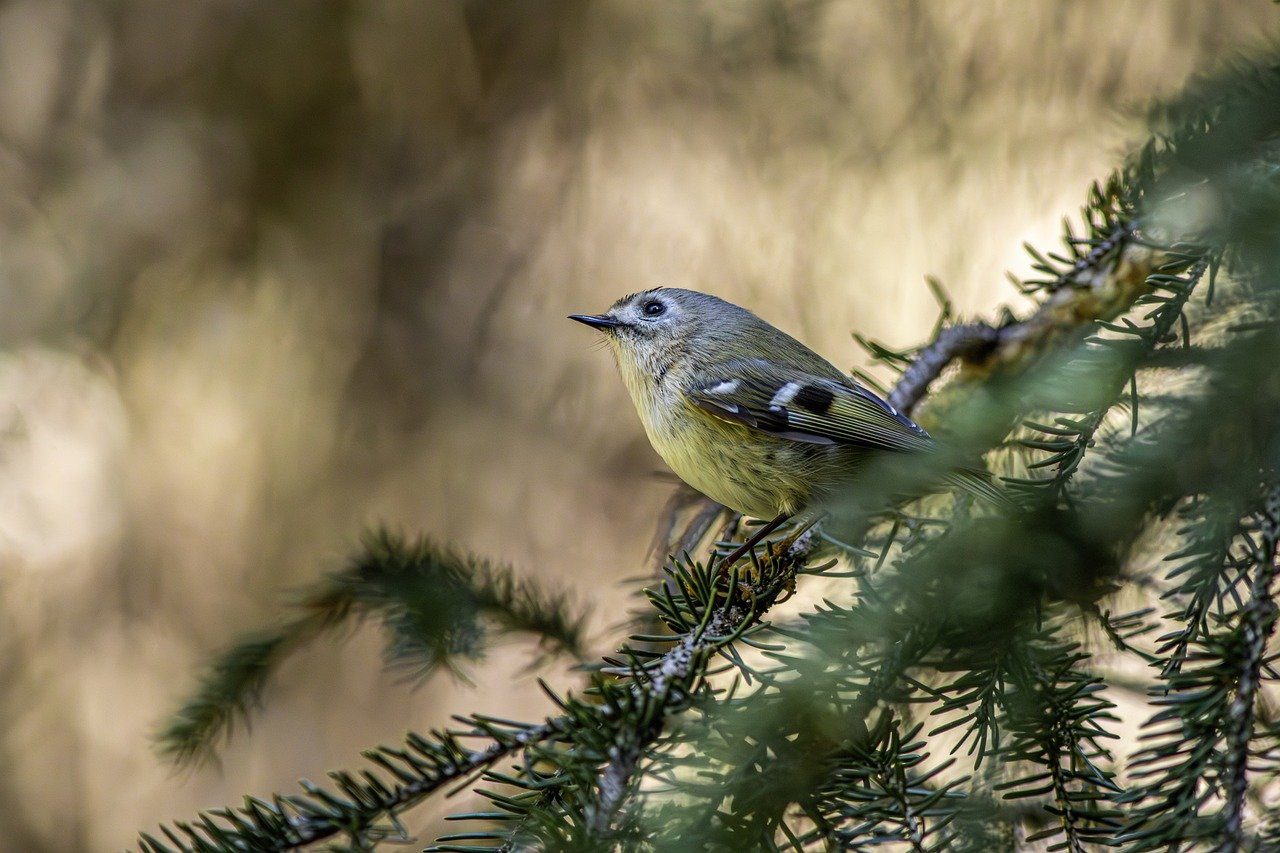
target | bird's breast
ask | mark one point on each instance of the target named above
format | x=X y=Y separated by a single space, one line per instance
x=754 y=473
x=750 y=472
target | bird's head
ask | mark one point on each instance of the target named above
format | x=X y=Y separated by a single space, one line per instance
x=653 y=330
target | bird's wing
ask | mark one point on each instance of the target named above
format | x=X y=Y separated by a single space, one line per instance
x=801 y=406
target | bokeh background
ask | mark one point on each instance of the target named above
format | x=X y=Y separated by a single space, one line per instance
x=271 y=273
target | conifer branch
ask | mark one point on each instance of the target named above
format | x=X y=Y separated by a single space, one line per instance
x=971 y=341
x=1166 y=316
x=669 y=682
x=433 y=602
x=1098 y=285
x=1257 y=624
x=358 y=808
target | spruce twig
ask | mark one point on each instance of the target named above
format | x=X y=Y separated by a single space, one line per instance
x=1257 y=624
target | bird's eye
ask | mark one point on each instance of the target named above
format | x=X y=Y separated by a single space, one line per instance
x=654 y=308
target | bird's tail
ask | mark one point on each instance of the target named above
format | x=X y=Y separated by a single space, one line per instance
x=978 y=482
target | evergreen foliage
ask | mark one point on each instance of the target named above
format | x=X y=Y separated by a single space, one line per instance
x=962 y=691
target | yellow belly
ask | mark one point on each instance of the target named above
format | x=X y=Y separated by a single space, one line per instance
x=748 y=471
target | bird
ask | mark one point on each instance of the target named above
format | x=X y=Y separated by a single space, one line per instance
x=752 y=418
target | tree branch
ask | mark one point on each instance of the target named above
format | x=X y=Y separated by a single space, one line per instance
x=668 y=684
x=971 y=341
x=1256 y=625
x=1099 y=286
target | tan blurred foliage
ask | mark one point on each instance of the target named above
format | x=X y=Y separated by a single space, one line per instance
x=270 y=272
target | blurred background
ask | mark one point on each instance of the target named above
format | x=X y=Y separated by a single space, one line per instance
x=271 y=273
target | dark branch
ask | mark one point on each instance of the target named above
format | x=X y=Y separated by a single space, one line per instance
x=1098 y=286
x=970 y=341
x=1257 y=624
x=665 y=685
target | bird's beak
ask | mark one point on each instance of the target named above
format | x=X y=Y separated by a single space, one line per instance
x=596 y=321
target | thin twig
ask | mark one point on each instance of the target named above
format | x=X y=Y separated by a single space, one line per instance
x=313 y=828
x=1256 y=625
x=1103 y=284
x=613 y=782
x=666 y=686
x=970 y=341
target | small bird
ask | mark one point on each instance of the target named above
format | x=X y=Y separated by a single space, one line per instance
x=748 y=415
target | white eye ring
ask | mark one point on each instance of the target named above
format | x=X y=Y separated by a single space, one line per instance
x=653 y=308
